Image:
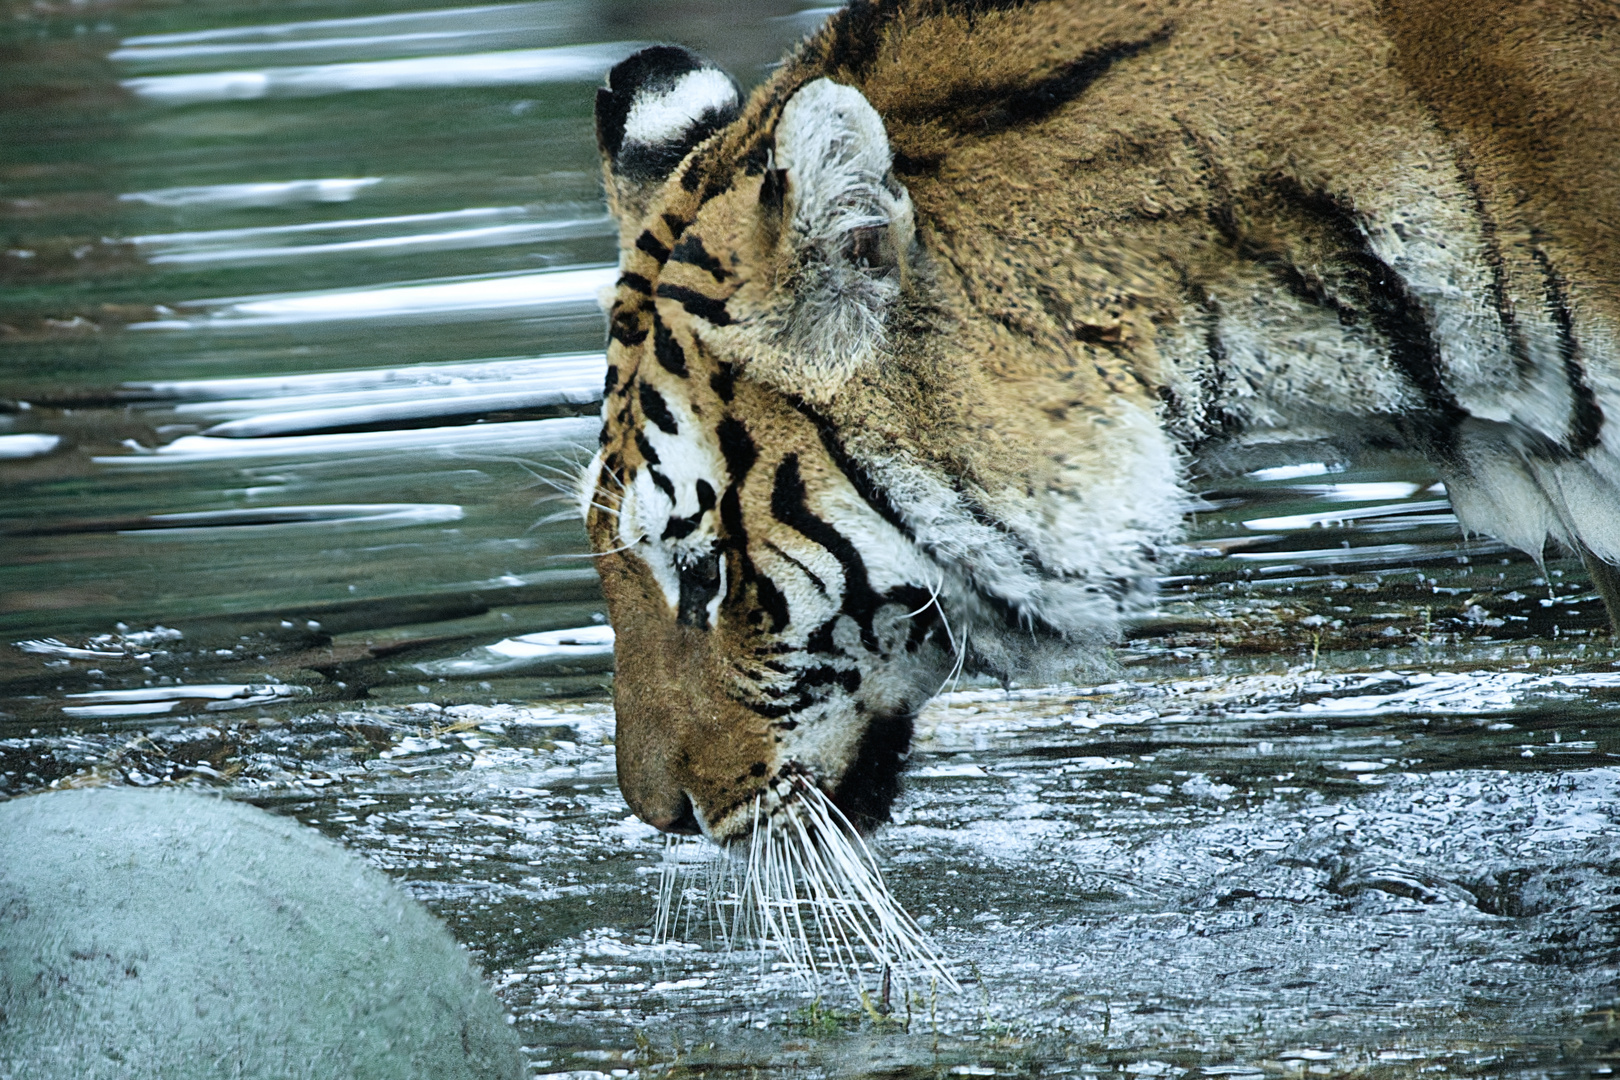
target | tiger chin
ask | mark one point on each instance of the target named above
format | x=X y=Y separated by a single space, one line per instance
x=913 y=351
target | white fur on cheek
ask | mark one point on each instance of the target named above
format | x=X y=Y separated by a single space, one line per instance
x=645 y=508
x=685 y=460
x=656 y=118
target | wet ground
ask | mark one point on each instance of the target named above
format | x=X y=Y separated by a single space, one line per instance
x=1272 y=845
x=1384 y=872
x=296 y=333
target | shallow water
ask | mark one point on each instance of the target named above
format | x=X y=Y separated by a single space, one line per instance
x=298 y=329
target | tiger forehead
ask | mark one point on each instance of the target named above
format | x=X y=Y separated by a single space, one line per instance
x=653 y=343
x=653 y=351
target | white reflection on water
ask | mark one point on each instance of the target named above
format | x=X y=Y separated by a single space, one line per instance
x=241 y=196
x=578 y=63
x=1445 y=692
x=1294 y=472
x=131 y=52
x=157 y=700
x=524 y=437
x=1366 y=492
x=529 y=653
x=25 y=446
x=312 y=421
x=1434 y=507
x=484 y=294
x=482 y=227
x=276 y=519
x=229 y=398
x=445 y=22
x=1372 y=554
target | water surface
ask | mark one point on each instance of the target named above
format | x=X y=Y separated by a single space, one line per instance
x=299 y=352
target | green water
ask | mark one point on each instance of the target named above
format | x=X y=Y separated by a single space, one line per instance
x=323 y=274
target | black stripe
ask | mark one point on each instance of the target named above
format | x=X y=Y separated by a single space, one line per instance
x=611 y=382
x=648 y=454
x=771 y=601
x=815 y=579
x=636 y=283
x=875 y=498
x=1027 y=104
x=868 y=788
x=656 y=409
x=1586 y=416
x=724 y=381
x=675 y=224
x=678 y=528
x=801 y=693
x=1389 y=305
x=864 y=485
x=852 y=37
x=692 y=251
x=704 y=307
x=1047 y=96
x=1209 y=419
x=1405 y=328
x=1497 y=291
x=612 y=468
x=870 y=784
x=668 y=350
x=699 y=583
x=626 y=330
x=772 y=190
x=788 y=506
x=926 y=613
x=826 y=675
x=737 y=447
x=653 y=246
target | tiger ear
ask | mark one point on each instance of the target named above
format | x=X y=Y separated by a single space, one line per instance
x=657 y=105
x=848 y=226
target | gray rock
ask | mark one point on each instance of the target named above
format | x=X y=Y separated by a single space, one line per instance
x=148 y=934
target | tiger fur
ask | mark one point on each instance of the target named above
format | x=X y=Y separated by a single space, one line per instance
x=912 y=352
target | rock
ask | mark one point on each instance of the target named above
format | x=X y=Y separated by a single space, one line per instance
x=148 y=934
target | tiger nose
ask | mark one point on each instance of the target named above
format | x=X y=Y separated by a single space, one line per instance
x=651 y=786
x=682 y=821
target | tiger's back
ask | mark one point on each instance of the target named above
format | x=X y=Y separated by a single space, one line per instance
x=911 y=354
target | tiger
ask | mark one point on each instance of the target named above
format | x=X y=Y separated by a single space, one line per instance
x=913 y=351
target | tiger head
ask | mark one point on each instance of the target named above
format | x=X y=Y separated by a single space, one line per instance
x=790 y=577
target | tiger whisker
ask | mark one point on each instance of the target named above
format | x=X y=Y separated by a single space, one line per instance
x=933 y=602
x=955 y=675
x=805 y=886
x=597 y=554
x=603 y=471
x=528 y=465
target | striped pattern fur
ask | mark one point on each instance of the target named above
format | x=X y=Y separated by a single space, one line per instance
x=913 y=350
